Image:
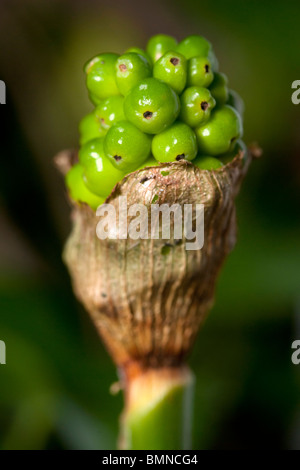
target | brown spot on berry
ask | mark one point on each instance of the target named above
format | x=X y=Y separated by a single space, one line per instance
x=204 y=105
x=180 y=157
x=117 y=158
x=122 y=67
x=148 y=114
x=206 y=68
x=102 y=121
x=174 y=61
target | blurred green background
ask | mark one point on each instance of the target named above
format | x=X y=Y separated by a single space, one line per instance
x=54 y=389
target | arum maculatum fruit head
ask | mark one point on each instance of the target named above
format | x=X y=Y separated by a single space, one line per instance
x=165 y=103
x=157 y=136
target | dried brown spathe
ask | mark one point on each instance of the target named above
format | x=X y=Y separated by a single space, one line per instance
x=148 y=303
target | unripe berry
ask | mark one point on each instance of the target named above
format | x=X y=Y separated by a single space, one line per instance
x=172 y=69
x=176 y=143
x=152 y=106
x=130 y=69
x=100 y=76
x=126 y=146
x=160 y=44
x=196 y=106
x=219 y=134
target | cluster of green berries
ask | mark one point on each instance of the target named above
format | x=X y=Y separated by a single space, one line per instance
x=165 y=104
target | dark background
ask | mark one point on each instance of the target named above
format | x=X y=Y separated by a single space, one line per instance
x=54 y=389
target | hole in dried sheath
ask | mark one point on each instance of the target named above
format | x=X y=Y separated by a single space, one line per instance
x=122 y=67
x=143 y=180
x=180 y=157
x=117 y=158
x=206 y=68
x=165 y=250
x=204 y=105
x=147 y=178
x=148 y=114
x=103 y=295
x=174 y=61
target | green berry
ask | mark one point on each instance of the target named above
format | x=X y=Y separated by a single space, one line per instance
x=100 y=76
x=90 y=128
x=78 y=190
x=195 y=45
x=110 y=111
x=160 y=44
x=131 y=68
x=100 y=175
x=141 y=52
x=126 y=146
x=196 y=106
x=178 y=142
x=235 y=101
x=219 y=88
x=220 y=133
x=240 y=146
x=207 y=163
x=152 y=106
x=199 y=72
x=172 y=69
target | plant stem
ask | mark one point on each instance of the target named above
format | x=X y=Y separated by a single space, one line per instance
x=158 y=410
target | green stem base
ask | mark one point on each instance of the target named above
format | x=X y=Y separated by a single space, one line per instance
x=158 y=410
